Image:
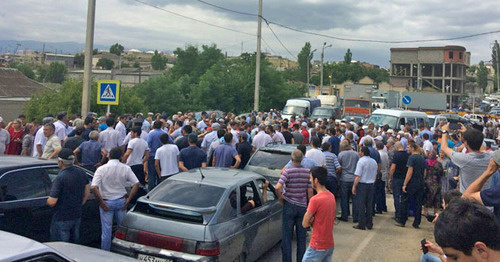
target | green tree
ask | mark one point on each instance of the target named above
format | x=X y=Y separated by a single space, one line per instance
x=304 y=58
x=105 y=63
x=158 y=62
x=193 y=62
x=117 y=49
x=79 y=60
x=162 y=94
x=482 y=76
x=348 y=57
x=95 y=51
x=25 y=69
x=55 y=73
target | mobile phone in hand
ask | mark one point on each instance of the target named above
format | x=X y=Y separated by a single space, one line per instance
x=424 y=248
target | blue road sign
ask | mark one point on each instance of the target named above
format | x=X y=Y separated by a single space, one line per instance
x=108 y=92
x=406 y=100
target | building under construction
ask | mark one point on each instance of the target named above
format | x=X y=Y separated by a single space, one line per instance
x=431 y=69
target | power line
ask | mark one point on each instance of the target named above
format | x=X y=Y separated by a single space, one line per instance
x=277 y=38
x=352 y=39
x=190 y=18
x=265 y=42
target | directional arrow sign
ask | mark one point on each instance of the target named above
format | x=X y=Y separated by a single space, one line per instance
x=406 y=100
x=108 y=92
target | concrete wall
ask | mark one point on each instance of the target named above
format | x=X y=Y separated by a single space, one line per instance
x=404 y=57
x=10 y=110
x=126 y=79
x=430 y=56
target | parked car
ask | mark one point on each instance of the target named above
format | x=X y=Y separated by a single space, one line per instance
x=197 y=216
x=197 y=115
x=491 y=143
x=18 y=248
x=25 y=184
x=325 y=112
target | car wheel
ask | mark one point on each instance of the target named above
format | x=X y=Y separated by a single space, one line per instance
x=241 y=258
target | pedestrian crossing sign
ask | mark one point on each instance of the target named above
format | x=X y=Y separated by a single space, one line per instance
x=108 y=92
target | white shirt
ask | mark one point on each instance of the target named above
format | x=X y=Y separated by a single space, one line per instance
x=208 y=139
x=168 y=157
x=139 y=147
x=120 y=127
x=363 y=140
x=40 y=139
x=316 y=155
x=384 y=164
x=4 y=140
x=144 y=136
x=279 y=138
x=113 y=178
x=235 y=137
x=261 y=140
x=60 y=129
x=109 y=138
x=427 y=146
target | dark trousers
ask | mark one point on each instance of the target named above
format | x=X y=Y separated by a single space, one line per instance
x=379 y=202
x=331 y=185
x=153 y=179
x=397 y=185
x=364 y=195
x=345 y=195
x=292 y=217
x=417 y=193
x=139 y=173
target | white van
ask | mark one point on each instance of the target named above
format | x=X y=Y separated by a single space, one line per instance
x=396 y=119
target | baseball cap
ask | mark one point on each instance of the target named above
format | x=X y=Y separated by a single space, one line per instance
x=496 y=157
x=66 y=154
x=380 y=138
x=303 y=124
x=215 y=125
x=390 y=131
x=1 y=119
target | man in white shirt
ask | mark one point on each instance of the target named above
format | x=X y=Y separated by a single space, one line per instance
x=137 y=155
x=110 y=138
x=427 y=144
x=369 y=133
x=53 y=144
x=261 y=139
x=315 y=154
x=121 y=127
x=40 y=139
x=166 y=159
x=60 y=125
x=109 y=186
x=210 y=137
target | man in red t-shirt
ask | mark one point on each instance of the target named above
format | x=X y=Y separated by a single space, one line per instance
x=320 y=215
x=305 y=133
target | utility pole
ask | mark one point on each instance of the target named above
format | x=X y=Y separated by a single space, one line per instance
x=497 y=48
x=322 y=55
x=308 y=73
x=89 y=45
x=257 y=60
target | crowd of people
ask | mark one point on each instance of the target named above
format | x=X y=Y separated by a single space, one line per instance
x=340 y=160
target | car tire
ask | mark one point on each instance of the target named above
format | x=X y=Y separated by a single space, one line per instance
x=241 y=258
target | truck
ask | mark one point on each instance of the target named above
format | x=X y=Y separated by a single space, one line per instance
x=327 y=100
x=300 y=107
x=419 y=100
x=357 y=99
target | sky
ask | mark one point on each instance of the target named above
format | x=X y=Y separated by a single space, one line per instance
x=137 y=25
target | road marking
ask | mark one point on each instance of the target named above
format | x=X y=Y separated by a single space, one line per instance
x=364 y=243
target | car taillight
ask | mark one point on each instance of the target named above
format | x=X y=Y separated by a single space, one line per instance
x=121 y=233
x=160 y=241
x=208 y=249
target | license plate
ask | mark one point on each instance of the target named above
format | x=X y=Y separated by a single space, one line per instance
x=148 y=258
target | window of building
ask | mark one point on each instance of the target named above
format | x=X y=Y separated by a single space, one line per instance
x=450 y=55
x=460 y=55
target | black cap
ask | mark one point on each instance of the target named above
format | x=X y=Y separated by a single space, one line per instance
x=66 y=154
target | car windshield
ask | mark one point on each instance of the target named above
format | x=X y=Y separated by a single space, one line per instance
x=431 y=121
x=380 y=120
x=271 y=160
x=357 y=103
x=322 y=111
x=187 y=193
x=290 y=110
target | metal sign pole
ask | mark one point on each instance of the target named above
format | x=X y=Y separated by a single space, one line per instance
x=109 y=109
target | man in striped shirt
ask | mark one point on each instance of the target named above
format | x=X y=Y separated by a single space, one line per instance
x=294 y=190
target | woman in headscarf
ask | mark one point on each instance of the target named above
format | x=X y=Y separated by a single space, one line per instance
x=433 y=174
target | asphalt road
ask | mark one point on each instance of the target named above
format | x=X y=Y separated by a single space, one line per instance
x=385 y=242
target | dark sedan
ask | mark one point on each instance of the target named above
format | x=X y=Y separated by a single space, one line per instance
x=203 y=215
x=25 y=184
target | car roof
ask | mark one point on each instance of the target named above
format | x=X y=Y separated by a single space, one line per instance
x=398 y=113
x=16 y=247
x=9 y=162
x=215 y=176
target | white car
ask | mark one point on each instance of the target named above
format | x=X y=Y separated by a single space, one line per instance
x=18 y=248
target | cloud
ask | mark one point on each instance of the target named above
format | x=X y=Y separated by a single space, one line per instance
x=136 y=25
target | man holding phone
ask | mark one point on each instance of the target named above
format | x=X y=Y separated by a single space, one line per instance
x=473 y=163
